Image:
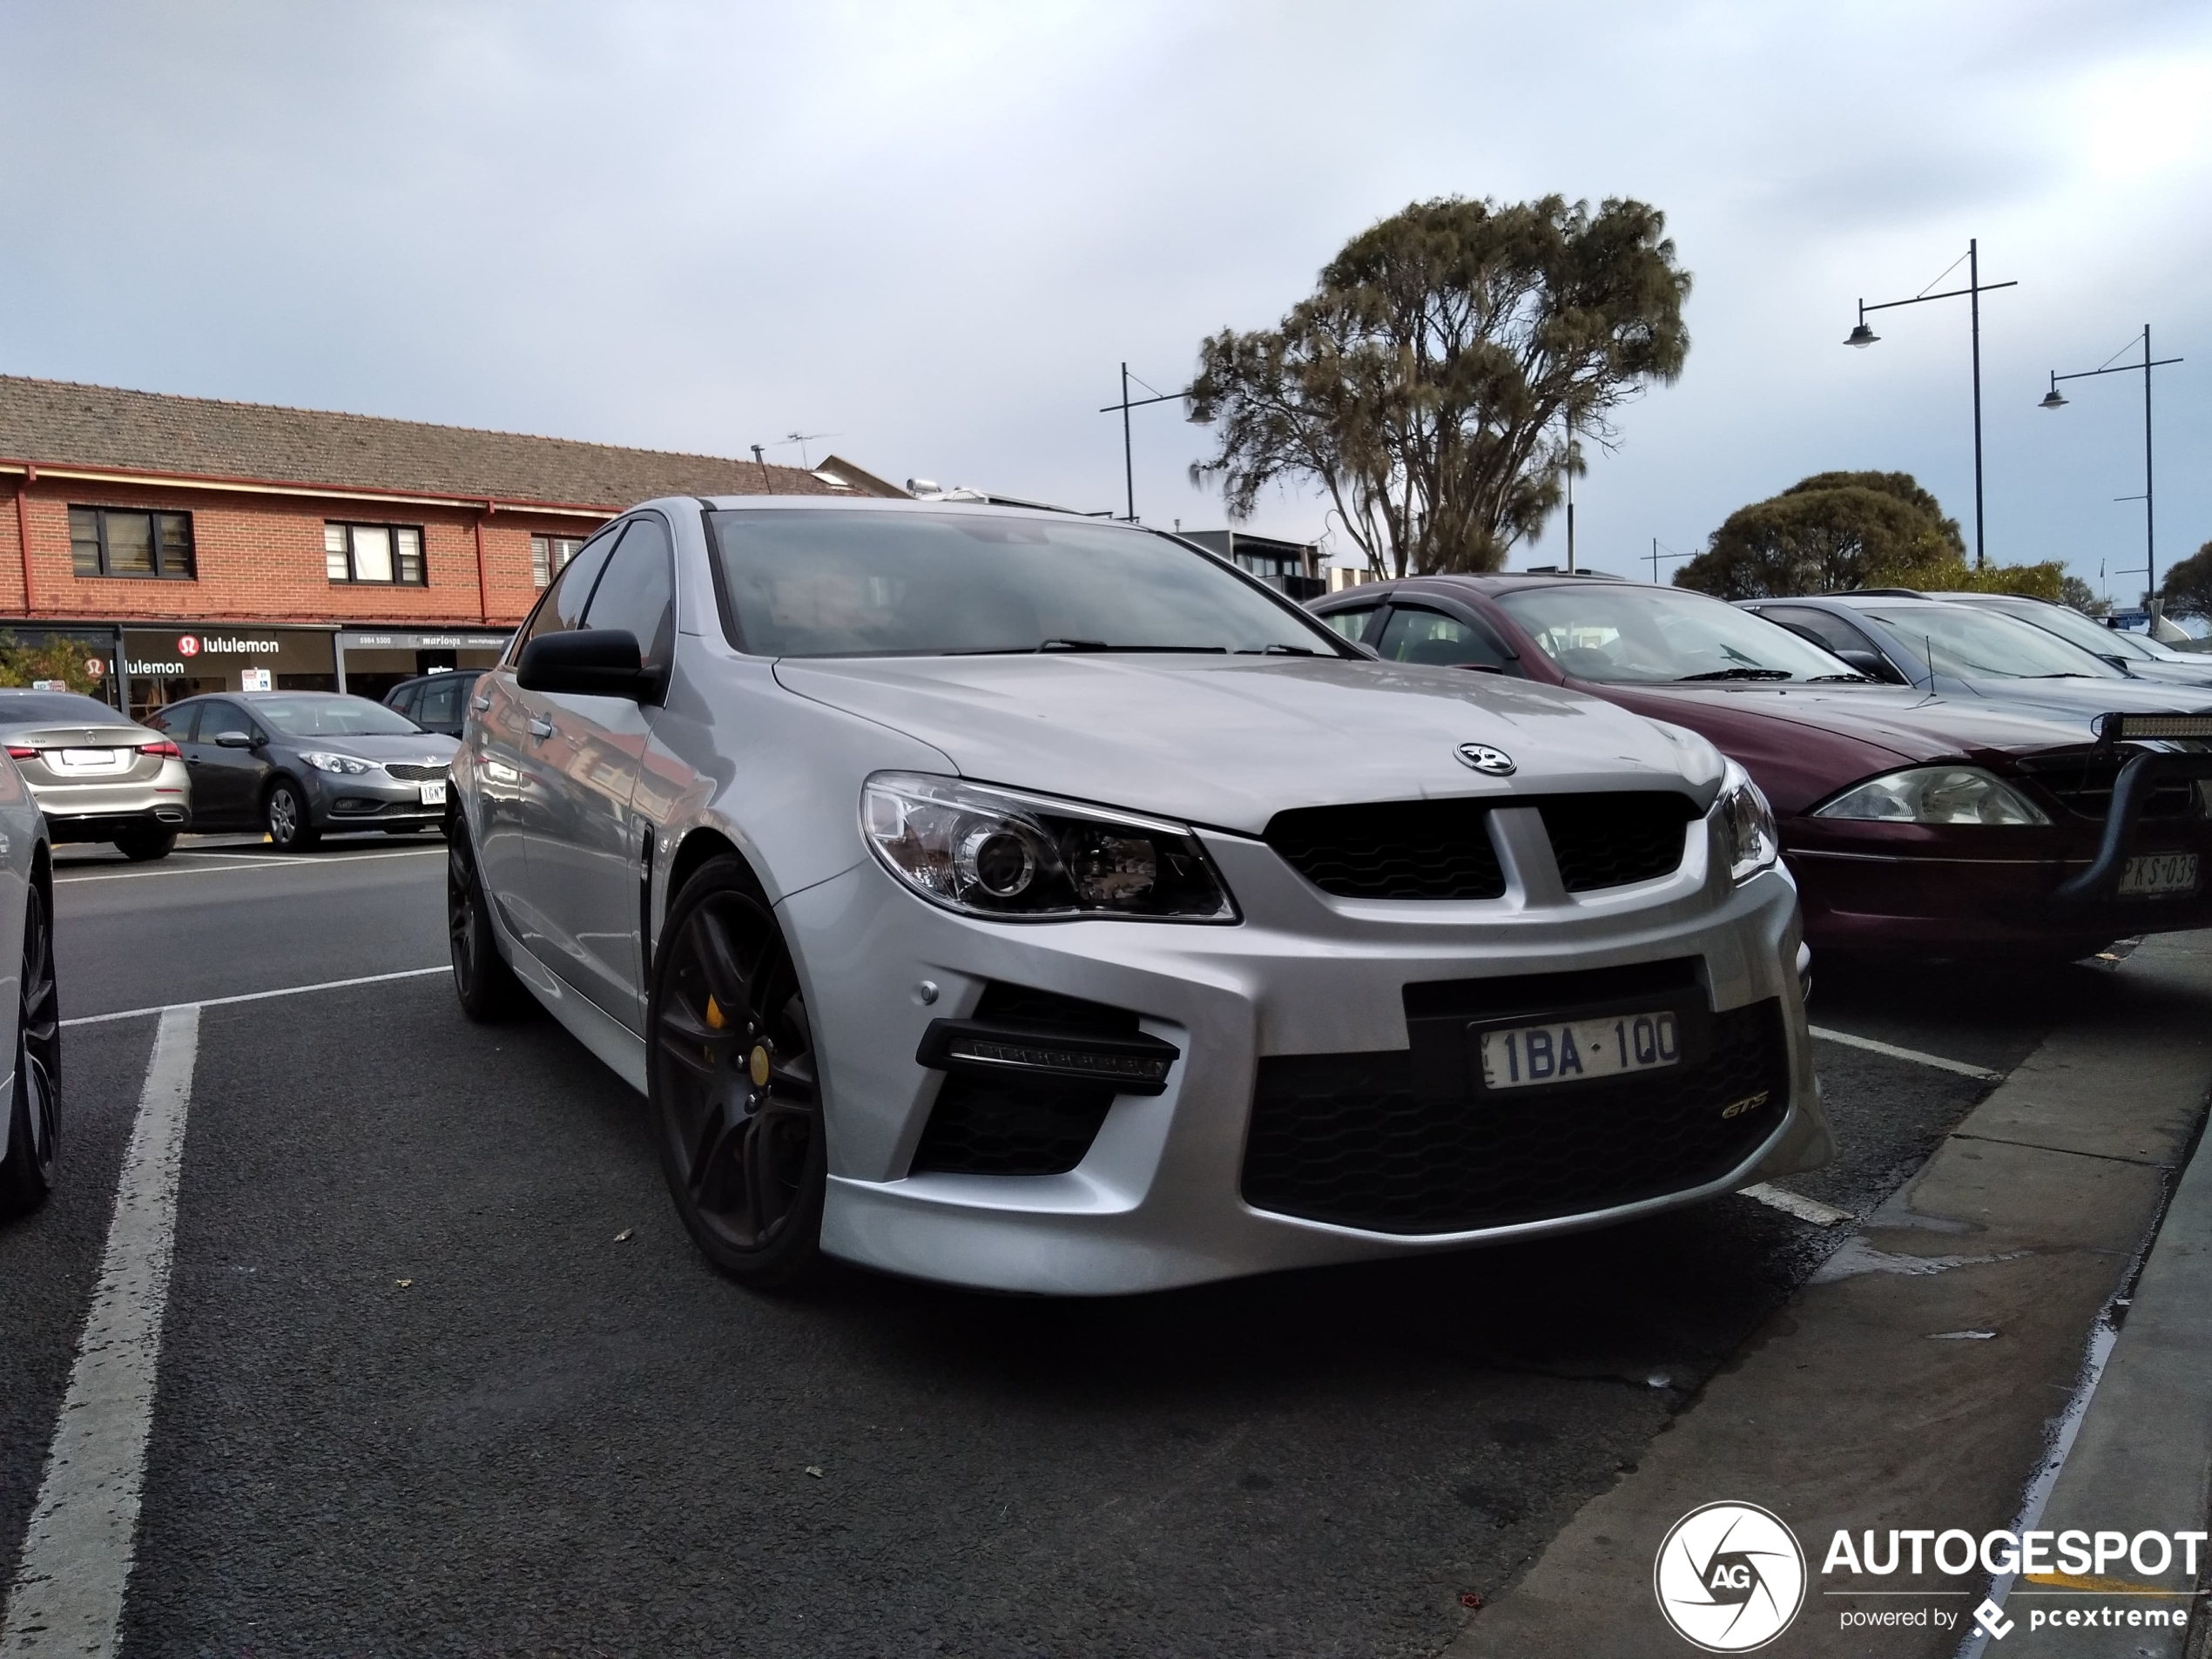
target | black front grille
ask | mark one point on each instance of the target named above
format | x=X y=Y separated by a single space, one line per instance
x=2084 y=782
x=992 y=1125
x=1610 y=840
x=415 y=774
x=1346 y=1137
x=1400 y=849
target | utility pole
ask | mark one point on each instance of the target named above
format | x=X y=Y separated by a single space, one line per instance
x=1129 y=460
x=1570 y=489
x=2052 y=400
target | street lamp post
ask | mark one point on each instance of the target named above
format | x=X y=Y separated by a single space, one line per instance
x=2052 y=400
x=1862 y=337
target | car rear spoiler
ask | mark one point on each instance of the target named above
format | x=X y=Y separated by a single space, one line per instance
x=2131 y=789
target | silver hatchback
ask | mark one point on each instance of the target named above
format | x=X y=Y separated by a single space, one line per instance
x=1013 y=899
x=97 y=776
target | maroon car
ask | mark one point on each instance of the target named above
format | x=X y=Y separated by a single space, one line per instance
x=1911 y=821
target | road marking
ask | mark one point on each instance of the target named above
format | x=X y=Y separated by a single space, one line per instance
x=68 y=1594
x=258 y=996
x=1913 y=1055
x=1796 y=1203
x=251 y=863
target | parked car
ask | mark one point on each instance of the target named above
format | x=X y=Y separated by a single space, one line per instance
x=1946 y=821
x=2137 y=656
x=999 y=897
x=300 y=764
x=97 y=776
x=435 y=702
x=31 y=1123
x=1968 y=651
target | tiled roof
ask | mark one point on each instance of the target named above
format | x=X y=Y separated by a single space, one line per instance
x=57 y=423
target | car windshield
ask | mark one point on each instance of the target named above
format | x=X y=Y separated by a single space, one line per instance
x=1980 y=644
x=2071 y=625
x=62 y=708
x=897 y=583
x=1645 y=635
x=331 y=716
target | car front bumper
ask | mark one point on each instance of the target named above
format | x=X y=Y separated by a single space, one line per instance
x=1159 y=1198
x=372 y=800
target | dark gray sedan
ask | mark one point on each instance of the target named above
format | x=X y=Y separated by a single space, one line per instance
x=301 y=764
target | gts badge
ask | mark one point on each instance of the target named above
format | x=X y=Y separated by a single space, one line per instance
x=1749 y=1103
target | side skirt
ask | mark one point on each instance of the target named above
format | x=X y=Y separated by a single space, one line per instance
x=614 y=1044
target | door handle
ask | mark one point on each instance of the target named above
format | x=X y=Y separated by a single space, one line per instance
x=479 y=704
x=540 y=728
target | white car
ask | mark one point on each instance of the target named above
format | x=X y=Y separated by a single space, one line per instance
x=30 y=1124
x=1008 y=898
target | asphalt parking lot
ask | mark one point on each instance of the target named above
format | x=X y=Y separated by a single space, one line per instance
x=441 y=1373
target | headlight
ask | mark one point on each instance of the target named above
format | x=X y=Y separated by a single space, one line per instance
x=1746 y=824
x=1935 y=795
x=346 y=764
x=1001 y=853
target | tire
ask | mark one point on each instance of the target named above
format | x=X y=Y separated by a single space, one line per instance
x=486 y=986
x=144 y=846
x=732 y=1081
x=33 y=1127
x=290 y=823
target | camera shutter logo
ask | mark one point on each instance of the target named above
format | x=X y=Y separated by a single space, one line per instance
x=1730 y=1577
x=188 y=647
x=1480 y=755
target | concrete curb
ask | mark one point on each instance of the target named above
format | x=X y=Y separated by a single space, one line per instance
x=1913 y=1383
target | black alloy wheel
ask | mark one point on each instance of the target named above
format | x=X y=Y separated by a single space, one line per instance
x=732 y=1082
x=488 y=991
x=144 y=846
x=292 y=827
x=34 y=1109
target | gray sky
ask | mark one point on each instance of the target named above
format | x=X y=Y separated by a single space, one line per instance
x=933 y=231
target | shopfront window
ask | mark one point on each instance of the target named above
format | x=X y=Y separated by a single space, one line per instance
x=548 y=554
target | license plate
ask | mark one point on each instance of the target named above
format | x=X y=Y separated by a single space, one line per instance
x=94 y=760
x=434 y=794
x=2149 y=873
x=1568 y=1050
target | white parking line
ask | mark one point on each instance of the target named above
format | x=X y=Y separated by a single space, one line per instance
x=1796 y=1203
x=250 y=862
x=68 y=1594
x=257 y=996
x=1913 y=1055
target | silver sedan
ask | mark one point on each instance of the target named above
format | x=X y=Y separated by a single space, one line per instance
x=1012 y=900
x=98 y=775
x=29 y=1009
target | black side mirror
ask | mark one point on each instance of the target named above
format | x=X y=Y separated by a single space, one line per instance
x=234 y=740
x=1872 y=663
x=585 y=661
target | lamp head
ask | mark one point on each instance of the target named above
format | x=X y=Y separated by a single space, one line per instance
x=1861 y=337
x=2052 y=400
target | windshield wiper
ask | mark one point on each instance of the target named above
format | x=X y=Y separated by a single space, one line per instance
x=1857 y=679
x=1736 y=674
x=1276 y=650
x=1055 y=646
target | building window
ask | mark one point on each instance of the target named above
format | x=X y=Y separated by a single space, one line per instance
x=108 y=541
x=548 y=554
x=388 y=554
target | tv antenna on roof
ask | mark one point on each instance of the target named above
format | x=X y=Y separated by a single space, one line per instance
x=802 y=439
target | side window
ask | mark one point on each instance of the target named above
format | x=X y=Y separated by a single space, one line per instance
x=1415 y=634
x=562 y=606
x=177 y=722
x=1829 y=631
x=1352 y=621
x=216 y=718
x=638 y=591
x=403 y=699
x=441 y=703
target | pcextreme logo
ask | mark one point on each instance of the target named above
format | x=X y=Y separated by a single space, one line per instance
x=1730 y=1577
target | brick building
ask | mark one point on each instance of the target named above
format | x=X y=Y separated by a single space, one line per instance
x=190 y=545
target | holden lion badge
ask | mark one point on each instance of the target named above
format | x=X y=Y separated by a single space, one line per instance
x=1730 y=1577
x=1496 y=763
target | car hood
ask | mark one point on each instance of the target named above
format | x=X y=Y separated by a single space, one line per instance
x=1230 y=741
x=432 y=748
